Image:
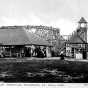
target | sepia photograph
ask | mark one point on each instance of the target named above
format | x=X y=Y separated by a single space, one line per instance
x=43 y=41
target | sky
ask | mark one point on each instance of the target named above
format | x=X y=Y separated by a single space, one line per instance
x=63 y=14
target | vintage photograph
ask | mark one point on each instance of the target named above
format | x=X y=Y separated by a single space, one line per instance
x=43 y=41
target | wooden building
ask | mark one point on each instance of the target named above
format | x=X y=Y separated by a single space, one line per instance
x=19 y=42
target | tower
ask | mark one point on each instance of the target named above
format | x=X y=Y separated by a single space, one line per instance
x=82 y=33
x=82 y=29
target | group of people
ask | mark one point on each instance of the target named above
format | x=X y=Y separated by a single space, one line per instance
x=39 y=52
x=36 y=51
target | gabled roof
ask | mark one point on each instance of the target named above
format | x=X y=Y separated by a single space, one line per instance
x=19 y=37
x=82 y=20
x=75 y=39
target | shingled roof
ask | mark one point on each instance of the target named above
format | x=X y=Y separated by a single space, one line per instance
x=75 y=39
x=20 y=37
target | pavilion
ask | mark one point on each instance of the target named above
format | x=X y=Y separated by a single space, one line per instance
x=20 y=43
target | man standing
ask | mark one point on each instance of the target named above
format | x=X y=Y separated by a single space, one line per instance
x=62 y=56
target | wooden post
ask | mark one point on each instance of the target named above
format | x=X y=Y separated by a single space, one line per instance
x=48 y=53
x=20 y=52
x=10 y=52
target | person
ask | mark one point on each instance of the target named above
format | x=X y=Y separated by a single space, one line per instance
x=61 y=56
x=44 y=51
x=39 y=53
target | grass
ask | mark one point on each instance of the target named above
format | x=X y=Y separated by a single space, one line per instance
x=35 y=65
x=19 y=67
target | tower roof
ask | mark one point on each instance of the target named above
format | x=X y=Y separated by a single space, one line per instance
x=82 y=20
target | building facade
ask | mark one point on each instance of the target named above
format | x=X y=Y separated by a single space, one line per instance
x=76 y=46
